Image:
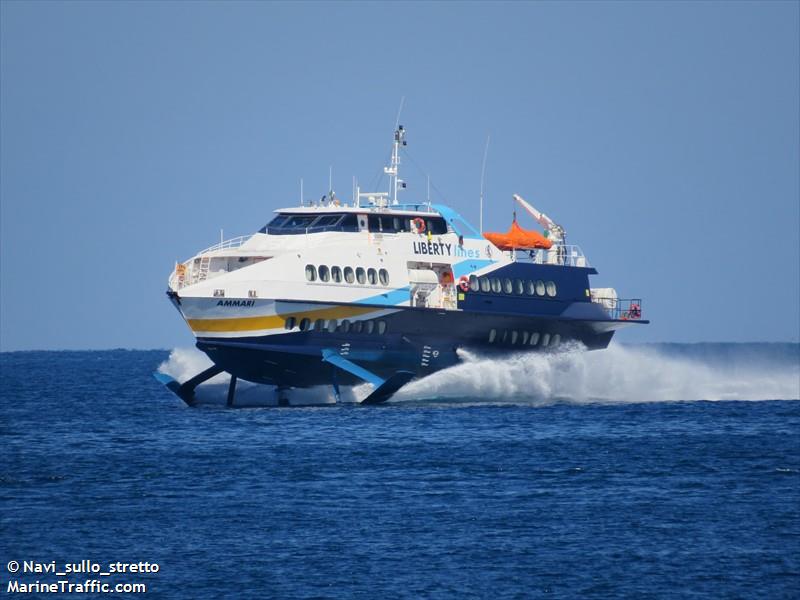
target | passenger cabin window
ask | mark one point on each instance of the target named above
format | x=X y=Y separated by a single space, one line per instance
x=311 y=273
x=372 y=276
x=336 y=274
x=324 y=274
x=361 y=276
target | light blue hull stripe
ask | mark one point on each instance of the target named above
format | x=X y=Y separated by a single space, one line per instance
x=392 y=298
x=465 y=267
x=333 y=357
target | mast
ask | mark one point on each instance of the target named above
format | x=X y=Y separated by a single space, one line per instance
x=483 y=172
x=395 y=183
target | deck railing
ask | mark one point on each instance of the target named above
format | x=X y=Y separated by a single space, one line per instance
x=226 y=244
x=567 y=255
x=626 y=309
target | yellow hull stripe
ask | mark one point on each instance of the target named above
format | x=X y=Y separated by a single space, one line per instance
x=276 y=321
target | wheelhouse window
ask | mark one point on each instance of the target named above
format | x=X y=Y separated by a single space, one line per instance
x=311 y=273
x=287 y=223
x=326 y=221
x=276 y=223
x=436 y=225
x=299 y=222
x=385 y=224
x=349 y=222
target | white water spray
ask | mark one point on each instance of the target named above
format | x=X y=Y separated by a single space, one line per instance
x=619 y=374
x=616 y=375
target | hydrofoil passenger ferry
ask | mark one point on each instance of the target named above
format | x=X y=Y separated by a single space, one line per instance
x=382 y=292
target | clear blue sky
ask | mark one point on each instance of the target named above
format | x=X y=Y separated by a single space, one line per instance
x=663 y=136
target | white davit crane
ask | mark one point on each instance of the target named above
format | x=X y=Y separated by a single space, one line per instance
x=555 y=232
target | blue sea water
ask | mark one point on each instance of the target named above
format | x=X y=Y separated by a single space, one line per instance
x=573 y=476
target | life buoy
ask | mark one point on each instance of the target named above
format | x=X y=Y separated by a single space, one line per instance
x=463 y=283
x=419 y=224
x=635 y=311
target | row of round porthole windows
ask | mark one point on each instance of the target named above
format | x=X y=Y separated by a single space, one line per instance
x=512 y=286
x=348 y=275
x=334 y=326
x=524 y=338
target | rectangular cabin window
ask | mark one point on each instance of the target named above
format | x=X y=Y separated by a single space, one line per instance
x=436 y=225
x=400 y=223
x=292 y=224
x=348 y=223
x=299 y=221
x=388 y=224
x=274 y=224
x=326 y=221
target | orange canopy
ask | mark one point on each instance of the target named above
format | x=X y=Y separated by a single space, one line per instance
x=518 y=238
